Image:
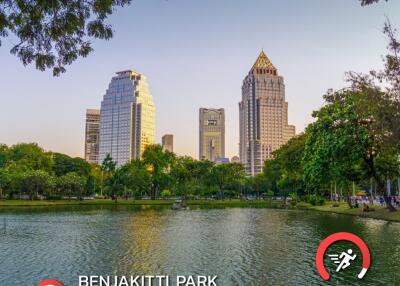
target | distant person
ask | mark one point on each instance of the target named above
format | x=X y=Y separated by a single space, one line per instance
x=365 y=207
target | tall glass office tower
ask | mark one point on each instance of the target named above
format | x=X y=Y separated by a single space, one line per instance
x=127 y=118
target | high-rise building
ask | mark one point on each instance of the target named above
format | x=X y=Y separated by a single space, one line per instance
x=263 y=115
x=127 y=118
x=92 y=132
x=211 y=133
x=168 y=142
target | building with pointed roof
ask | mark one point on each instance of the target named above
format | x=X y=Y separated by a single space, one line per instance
x=263 y=115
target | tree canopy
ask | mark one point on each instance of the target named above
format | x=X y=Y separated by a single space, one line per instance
x=53 y=34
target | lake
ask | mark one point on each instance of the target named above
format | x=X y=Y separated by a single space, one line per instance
x=243 y=246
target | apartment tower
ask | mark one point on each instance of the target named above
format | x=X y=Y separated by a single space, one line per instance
x=92 y=133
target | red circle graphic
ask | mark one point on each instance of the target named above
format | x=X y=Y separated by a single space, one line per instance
x=50 y=282
x=338 y=236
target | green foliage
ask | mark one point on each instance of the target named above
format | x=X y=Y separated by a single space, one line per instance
x=225 y=175
x=64 y=164
x=284 y=172
x=316 y=200
x=71 y=184
x=165 y=194
x=24 y=157
x=36 y=183
x=53 y=34
x=159 y=163
x=108 y=165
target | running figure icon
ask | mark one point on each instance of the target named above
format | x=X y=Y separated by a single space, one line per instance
x=344 y=260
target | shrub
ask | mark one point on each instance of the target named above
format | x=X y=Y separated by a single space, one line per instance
x=165 y=194
x=313 y=201
x=321 y=201
x=316 y=201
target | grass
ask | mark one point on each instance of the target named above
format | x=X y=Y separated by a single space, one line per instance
x=343 y=208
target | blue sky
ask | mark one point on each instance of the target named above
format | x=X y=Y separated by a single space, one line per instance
x=195 y=53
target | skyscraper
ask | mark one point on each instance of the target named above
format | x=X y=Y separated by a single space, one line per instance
x=168 y=142
x=263 y=115
x=127 y=118
x=211 y=133
x=92 y=132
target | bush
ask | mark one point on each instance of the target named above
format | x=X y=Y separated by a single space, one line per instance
x=165 y=194
x=320 y=201
x=316 y=201
x=293 y=203
x=313 y=201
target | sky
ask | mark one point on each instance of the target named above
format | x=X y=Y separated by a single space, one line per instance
x=196 y=53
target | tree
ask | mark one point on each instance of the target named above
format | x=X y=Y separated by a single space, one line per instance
x=107 y=169
x=158 y=162
x=29 y=156
x=369 y=2
x=35 y=183
x=4 y=154
x=108 y=165
x=224 y=174
x=134 y=177
x=182 y=173
x=64 y=164
x=71 y=184
x=358 y=129
x=258 y=184
x=53 y=34
x=284 y=171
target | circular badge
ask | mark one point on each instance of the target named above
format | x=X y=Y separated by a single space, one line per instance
x=50 y=282
x=346 y=257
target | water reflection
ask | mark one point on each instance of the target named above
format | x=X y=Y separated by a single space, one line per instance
x=241 y=246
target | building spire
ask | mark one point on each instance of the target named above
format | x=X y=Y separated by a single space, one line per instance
x=263 y=62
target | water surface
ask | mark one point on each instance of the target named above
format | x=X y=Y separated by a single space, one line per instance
x=242 y=246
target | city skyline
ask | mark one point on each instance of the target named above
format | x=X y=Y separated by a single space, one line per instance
x=186 y=50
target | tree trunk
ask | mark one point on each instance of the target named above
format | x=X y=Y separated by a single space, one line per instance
x=221 y=192
x=349 y=202
x=153 y=192
x=382 y=190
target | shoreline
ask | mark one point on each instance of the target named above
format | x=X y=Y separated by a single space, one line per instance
x=380 y=213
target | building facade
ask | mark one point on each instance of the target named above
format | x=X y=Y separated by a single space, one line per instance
x=211 y=133
x=168 y=142
x=263 y=115
x=127 y=118
x=92 y=134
